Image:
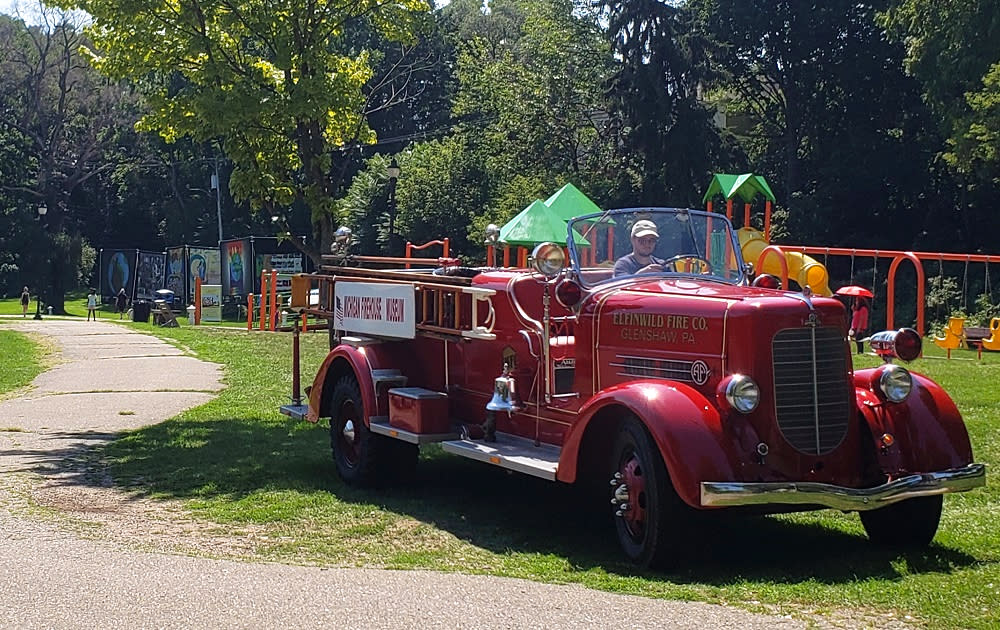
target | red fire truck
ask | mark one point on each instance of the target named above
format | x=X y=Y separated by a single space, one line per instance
x=641 y=359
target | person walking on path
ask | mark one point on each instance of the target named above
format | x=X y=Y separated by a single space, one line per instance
x=859 y=322
x=25 y=300
x=91 y=306
x=121 y=302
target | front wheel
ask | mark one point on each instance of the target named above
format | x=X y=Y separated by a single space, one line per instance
x=648 y=513
x=908 y=524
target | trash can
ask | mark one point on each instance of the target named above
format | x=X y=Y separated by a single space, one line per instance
x=166 y=295
x=140 y=311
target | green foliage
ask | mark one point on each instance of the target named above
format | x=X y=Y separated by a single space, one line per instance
x=269 y=78
x=942 y=299
x=441 y=189
x=985 y=310
x=654 y=97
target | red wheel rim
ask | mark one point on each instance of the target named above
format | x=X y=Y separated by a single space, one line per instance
x=634 y=479
x=348 y=433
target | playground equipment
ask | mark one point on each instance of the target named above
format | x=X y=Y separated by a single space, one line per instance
x=954 y=335
x=993 y=342
x=804 y=270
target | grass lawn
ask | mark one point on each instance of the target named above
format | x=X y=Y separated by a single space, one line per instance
x=238 y=462
x=22 y=360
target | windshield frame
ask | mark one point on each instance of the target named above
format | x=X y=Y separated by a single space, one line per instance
x=576 y=224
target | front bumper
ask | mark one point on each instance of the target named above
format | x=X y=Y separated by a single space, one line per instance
x=725 y=493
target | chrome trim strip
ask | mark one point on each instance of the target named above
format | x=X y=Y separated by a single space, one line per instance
x=725 y=493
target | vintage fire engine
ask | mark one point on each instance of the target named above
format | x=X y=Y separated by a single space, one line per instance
x=677 y=389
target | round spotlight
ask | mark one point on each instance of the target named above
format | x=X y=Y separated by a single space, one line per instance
x=548 y=259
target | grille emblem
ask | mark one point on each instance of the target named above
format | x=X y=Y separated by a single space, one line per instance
x=812 y=320
x=700 y=372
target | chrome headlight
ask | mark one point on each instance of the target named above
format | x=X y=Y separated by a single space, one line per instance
x=742 y=393
x=895 y=383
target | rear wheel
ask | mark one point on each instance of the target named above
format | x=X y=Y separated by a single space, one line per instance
x=908 y=524
x=355 y=448
x=648 y=513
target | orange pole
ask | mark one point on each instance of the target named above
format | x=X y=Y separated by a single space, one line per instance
x=197 y=300
x=263 y=300
x=890 y=307
x=305 y=323
x=708 y=206
x=746 y=215
x=729 y=209
x=506 y=255
x=445 y=246
x=409 y=249
x=491 y=256
x=274 y=299
x=250 y=311
x=767 y=221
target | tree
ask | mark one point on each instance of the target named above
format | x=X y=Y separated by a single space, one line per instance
x=669 y=136
x=61 y=115
x=275 y=81
x=829 y=114
x=951 y=50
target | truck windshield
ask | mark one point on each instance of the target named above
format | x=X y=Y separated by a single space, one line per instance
x=654 y=241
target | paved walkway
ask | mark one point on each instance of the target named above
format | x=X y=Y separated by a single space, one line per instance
x=112 y=379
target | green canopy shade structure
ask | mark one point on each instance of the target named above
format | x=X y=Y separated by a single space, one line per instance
x=537 y=224
x=745 y=186
x=568 y=202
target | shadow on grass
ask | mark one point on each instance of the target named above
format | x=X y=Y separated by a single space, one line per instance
x=491 y=508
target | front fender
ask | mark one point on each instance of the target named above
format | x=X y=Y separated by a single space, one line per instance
x=928 y=432
x=341 y=361
x=685 y=426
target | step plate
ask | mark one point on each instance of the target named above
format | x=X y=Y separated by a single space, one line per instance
x=382 y=427
x=298 y=412
x=512 y=452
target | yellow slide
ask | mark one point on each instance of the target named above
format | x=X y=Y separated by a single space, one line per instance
x=801 y=268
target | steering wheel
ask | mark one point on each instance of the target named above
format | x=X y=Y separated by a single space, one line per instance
x=673 y=260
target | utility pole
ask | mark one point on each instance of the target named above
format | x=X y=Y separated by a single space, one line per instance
x=218 y=195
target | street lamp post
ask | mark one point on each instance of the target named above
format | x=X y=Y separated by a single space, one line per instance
x=42 y=209
x=218 y=196
x=393 y=172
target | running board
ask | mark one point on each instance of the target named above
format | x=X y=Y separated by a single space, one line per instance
x=511 y=452
x=380 y=425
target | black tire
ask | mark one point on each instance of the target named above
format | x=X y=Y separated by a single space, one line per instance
x=355 y=449
x=909 y=524
x=651 y=529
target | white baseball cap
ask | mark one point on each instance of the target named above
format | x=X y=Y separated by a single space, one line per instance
x=644 y=228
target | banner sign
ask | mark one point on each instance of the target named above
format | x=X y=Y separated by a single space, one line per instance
x=177 y=274
x=117 y=271
x=385 y=310
x=150 y=275
x=285 y=264
x=203 y=262
x=236 y=279
x=211 y=302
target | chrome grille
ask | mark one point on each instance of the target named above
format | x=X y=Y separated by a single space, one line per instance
x=810 y=388
x=653 y=368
